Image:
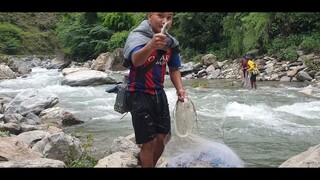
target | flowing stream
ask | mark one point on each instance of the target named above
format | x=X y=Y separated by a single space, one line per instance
x=265 y=127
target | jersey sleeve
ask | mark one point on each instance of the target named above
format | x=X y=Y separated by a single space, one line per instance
x=175 y=61
x=134 y=51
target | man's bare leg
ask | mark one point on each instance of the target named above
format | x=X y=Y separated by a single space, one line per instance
x=158 y=147
x=146 y=154
x=255 y=85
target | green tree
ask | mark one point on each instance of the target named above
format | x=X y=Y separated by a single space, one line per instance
x=90 y=18
x=82 y=36
x=118 y=21
x=199 y=31
x=117 y=40
x=10 y=38
x=256 y=31
x=233 y=30
x=286 y=23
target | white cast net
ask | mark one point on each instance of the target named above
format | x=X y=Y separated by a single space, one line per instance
x=185 y=117
x=187 y=149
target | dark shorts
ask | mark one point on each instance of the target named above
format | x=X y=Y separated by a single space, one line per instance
x=150 y=115
x=253 y=77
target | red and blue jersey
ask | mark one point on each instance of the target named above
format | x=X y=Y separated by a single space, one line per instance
x=152 y=81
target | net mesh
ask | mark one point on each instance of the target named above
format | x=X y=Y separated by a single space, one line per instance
x=188 y=149
x=185 y=118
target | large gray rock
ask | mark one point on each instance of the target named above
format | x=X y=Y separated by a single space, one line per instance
x=32 y=137
x=118 y=159
x=59 y=146
x=122 y=144
x=11 y=149
x=309 y=158
x=34 y=163
x=87 y=78
x=6 y=72
x=31 y=101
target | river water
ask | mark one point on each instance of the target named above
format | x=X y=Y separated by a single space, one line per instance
x=264 y=127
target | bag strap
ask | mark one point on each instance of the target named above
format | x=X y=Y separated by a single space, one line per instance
x=160 y=53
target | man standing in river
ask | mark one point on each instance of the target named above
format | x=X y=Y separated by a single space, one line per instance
x=147 y=99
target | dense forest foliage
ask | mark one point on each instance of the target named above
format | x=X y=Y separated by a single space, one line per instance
x=83 y=36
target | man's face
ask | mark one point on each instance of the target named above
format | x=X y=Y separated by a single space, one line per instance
x=158 y=19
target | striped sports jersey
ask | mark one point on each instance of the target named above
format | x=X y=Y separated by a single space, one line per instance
x=152 y=81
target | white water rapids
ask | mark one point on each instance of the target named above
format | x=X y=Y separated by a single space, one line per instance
x=264 y=127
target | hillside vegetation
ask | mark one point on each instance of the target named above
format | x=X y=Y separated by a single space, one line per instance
x=83 y=36
x=28 y=33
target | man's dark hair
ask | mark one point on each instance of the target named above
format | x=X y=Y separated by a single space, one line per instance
x=245 y=56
